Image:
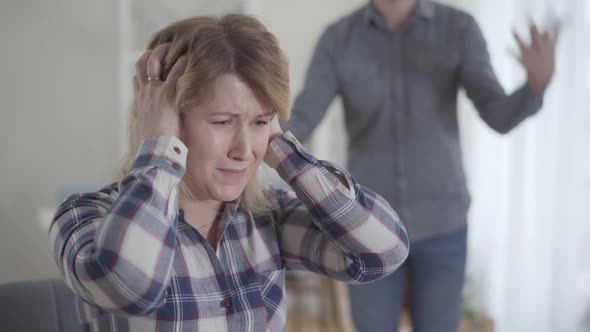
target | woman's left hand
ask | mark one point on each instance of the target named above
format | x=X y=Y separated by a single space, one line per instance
x=275 y=129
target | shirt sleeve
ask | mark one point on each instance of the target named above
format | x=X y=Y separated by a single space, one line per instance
x=341 y=230
x=115 y=247
x=500 y=111
x=319 y=89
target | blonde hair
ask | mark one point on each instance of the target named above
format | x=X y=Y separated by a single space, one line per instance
x=233 y=43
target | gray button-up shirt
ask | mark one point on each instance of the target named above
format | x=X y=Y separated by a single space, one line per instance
x=399 y=91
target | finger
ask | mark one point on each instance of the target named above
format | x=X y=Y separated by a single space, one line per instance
x=175 y=73
x=275 y=129
x=555 y=31
x=545 y=36
x=276 y=124
x=519 y=42
x=535 y=36
x=154 y=63
x=140 y=66
x=135 y=84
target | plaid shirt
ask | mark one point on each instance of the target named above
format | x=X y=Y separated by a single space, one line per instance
x=136 y=264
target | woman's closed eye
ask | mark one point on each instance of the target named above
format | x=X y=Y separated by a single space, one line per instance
x=230 y=121
x=263 y=120
x=223 y=122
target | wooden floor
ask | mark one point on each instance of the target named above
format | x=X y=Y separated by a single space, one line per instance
x=318 y=304
x=298 y=322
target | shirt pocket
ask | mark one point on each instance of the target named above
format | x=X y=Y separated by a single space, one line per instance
x=361 y=86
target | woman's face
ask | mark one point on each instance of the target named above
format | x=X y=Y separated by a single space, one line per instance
x=227 y=136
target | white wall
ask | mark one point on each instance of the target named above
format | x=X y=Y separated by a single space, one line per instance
x=58 y=95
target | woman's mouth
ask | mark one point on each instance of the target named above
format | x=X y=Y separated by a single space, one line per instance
x=233 y=171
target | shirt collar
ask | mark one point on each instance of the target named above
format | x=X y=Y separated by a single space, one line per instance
x=424 y=9
x=232 y=207
x=228 y=210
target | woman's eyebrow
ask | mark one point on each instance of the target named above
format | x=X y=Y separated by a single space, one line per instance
x=237 y=114
x=265 y=115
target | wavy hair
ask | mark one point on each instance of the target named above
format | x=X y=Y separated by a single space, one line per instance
x=236 y=44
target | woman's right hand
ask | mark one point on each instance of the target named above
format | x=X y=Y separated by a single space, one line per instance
x=154 y=98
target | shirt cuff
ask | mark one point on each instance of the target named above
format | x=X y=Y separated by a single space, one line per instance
x=299 y=168
x=287 y=156
x=534 y=98
x=164 y=152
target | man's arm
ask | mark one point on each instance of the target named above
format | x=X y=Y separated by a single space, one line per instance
x=320 y=88
x=500 y=111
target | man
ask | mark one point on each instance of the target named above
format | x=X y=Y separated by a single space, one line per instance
x=398 y=65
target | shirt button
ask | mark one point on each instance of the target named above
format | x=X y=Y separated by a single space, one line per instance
x=176 y=166
x=225 y=303
x=177 y=150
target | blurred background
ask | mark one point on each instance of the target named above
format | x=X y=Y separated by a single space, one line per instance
x=65 y=86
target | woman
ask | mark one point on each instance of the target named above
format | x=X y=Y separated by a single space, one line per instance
x=185 y=239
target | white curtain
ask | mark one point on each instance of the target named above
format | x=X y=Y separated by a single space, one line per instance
x=529 y=235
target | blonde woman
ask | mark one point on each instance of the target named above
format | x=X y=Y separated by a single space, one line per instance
x=185 y=240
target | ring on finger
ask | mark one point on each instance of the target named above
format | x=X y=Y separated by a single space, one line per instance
x=154 y=78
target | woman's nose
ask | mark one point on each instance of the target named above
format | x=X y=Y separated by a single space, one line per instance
x=241 y=147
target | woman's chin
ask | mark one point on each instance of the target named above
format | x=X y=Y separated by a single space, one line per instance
x=229 y=194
